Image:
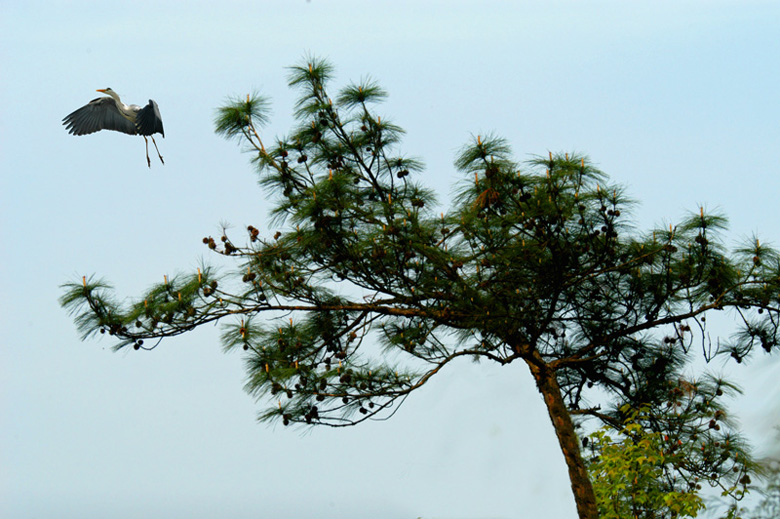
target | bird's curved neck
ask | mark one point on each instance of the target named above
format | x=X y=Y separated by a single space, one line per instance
x=119 y=104
x=115 y=96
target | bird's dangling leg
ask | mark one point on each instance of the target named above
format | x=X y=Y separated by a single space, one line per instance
x=156 y=148
x=148 y=162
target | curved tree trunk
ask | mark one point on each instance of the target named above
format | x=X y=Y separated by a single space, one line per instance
x=567 y=438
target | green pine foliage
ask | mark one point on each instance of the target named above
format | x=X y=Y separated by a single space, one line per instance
x=369 y=290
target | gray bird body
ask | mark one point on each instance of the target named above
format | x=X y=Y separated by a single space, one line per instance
x=110 y=113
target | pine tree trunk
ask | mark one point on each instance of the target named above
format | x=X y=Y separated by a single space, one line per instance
x=567 y=438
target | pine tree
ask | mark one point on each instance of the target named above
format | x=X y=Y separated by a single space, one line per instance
x=368 y=291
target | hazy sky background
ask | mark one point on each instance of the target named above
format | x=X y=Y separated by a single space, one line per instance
x=676 y=100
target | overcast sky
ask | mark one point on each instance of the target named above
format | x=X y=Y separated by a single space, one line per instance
x=678 y=101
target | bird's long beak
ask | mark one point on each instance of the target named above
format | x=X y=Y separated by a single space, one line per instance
x=101 y=90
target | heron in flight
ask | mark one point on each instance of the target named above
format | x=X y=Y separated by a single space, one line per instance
x=110 y=113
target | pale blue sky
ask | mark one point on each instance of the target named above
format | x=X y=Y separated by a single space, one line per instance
x=676 y=100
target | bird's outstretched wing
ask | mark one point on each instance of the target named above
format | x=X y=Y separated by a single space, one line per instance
x=98 y=114
x=148 y=120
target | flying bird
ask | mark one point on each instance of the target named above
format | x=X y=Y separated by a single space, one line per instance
x=110 y=113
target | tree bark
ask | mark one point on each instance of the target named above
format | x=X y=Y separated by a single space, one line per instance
x=581 y=486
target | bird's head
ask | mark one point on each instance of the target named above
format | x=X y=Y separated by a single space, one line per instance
x=109 y=92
